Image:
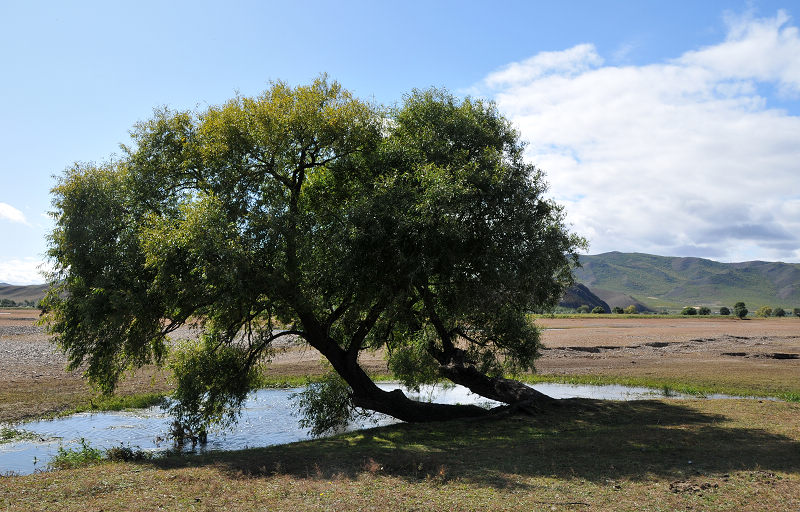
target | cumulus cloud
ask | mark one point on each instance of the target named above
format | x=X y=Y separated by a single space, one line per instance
x=10 y=213
x=683 y=157
x=22 y=271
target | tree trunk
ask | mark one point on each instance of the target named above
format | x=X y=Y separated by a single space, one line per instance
x=367 y=395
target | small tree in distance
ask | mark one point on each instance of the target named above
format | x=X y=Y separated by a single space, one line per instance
x=740 y=309
x=617 y=310
x=704 y=310
x=724 y=311
x=779 y=312
x=631 y=310
x=796 y=312
x=598 y=310
x=764 y=312
x=583 y=308
x=688 y=310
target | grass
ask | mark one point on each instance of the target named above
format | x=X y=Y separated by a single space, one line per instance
x=584 y=455
x=699 y=389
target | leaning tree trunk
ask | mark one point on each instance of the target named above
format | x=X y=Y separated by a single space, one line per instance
x=367 y=395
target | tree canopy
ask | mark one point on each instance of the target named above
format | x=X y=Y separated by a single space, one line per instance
x=307 y=212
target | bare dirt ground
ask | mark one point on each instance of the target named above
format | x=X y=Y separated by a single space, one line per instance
x=757 y=353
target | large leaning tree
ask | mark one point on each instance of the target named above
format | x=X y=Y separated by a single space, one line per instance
x=306 y=212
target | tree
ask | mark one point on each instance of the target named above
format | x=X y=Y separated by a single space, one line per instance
x=631 y=310
x=703 y=310
x=583 y=308
x=689 y=310
x=724 y=311
x=779 y=312
x=796 y=312
x=307 y=212
x=617 y=310
x=764 y=312
x=740 y=310
x=598 y=310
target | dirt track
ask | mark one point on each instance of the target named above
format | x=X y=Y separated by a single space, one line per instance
x=761 y=353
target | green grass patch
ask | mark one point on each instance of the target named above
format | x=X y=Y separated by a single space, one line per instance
x=668 y=386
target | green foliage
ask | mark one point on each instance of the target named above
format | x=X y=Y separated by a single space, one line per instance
x=764 y=312
x=796 y=312
x=740 y=310
x=325 y=405
x=583 y=309
x=617 y=310
x=779 y=312
x=67 y=458
x=411 y=364
x=689 y=310
x=724 y=311
x=631 y=310
x=211 y=383
x=598 y=310
x=418 y=228
x=704 y=310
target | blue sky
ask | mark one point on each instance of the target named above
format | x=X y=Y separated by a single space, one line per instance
x=670 y=128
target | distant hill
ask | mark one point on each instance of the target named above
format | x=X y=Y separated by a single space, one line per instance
x=662 y=281
x=20 y=294
x=578 y=295
x=622 y=300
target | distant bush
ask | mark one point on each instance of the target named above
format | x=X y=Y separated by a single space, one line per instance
x=764 y=312
x=583 y=309
x=617 y=310
x=688 y=310
x=598 y=309
x=796 y=312
x=703 y=310
x=779 y=312
x=724 y=311
x=631 y=310
x=740 y=309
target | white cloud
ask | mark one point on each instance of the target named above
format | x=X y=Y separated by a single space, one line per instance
x=8 y=212
x=683 y=157
x=22 y=271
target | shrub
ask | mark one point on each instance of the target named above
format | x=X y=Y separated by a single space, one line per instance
x=796 y=312
x=724 y=311
x=703 y=310
x=764 y=312
x=617 y=310
x=740 y=309
x=583 y=309
x=688 y=310
x=631 y=310
x=779 y=312
x=598 y=310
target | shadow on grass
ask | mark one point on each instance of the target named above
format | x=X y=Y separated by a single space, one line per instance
x=585 y=439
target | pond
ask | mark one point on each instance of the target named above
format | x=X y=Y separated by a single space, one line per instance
x=266 y=419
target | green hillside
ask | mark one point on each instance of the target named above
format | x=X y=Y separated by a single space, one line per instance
x=661 y=281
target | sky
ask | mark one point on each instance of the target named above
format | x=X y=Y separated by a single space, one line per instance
x=668 y=128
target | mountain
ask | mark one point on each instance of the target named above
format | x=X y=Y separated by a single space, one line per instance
x=670 y=282
x=578 y=295
x=22 y=293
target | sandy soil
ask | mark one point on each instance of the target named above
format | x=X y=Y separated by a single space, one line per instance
x=726 y=351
